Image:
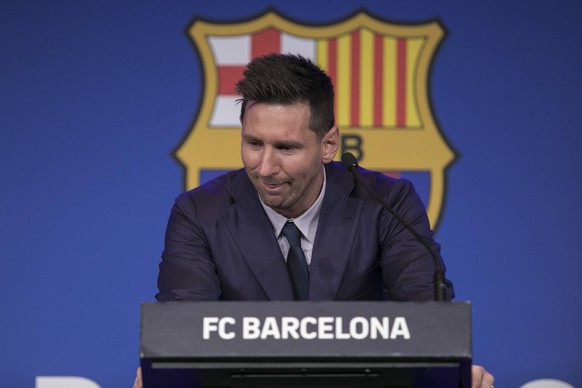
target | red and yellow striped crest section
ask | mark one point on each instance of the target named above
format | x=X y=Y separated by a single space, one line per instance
x=373 y=77
x=380 y=74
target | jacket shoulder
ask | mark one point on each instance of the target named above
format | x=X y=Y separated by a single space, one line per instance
x=381 y=184
x=210 y=198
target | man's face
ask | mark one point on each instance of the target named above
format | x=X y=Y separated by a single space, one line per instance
x=283 y=157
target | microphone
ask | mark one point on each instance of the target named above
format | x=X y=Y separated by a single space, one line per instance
x=350 y=162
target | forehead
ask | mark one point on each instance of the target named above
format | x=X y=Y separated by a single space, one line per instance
x=263 y=106
x=262 y=116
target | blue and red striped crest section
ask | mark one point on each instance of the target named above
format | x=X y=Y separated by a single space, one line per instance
x=380 y=73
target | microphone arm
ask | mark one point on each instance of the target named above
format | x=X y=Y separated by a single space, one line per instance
x=350 y=162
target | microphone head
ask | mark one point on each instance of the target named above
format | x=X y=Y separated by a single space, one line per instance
x=349 y=161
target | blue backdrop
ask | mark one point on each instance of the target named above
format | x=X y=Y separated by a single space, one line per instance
x=96 y=95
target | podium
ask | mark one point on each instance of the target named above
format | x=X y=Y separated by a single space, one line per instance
x=306 y=344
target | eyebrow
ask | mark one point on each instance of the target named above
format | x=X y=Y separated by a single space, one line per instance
x=288 y=144
x=252 y=139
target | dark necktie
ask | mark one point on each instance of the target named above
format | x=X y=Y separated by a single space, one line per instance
x=296 y=262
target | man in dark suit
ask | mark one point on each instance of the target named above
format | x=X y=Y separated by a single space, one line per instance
x=232 y=238
x=222 y=245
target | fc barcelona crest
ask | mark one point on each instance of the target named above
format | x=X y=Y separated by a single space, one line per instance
x=380 y=73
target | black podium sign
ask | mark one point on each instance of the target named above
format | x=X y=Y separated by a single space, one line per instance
x=340 y=344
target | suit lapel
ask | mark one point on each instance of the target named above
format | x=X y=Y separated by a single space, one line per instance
x=338 y=223
x=251 y=229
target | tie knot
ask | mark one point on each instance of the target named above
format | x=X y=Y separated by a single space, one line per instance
x=292 y=233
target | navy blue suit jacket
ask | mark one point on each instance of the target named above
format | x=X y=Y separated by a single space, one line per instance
x=220 y=244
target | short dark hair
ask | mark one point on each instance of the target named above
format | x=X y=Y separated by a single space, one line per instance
x=288 y=79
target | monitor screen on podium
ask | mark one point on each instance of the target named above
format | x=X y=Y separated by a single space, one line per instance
x=305 y=373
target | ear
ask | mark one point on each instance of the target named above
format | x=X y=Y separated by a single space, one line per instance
x=330 y=144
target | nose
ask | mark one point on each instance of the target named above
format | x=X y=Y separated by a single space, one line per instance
x=269 y=163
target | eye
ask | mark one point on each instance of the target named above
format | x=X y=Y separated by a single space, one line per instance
x=253 y=143
x=287 y=148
